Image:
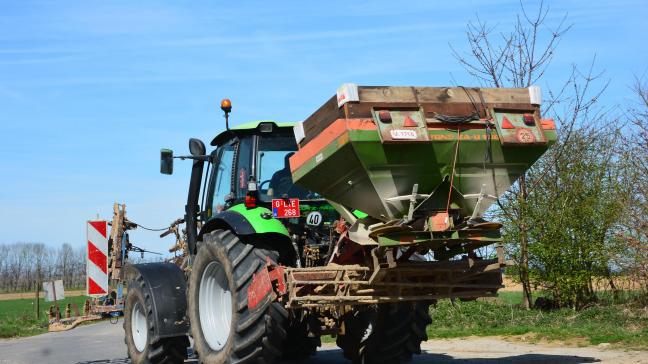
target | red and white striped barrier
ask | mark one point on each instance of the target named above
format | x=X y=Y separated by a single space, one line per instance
x=97 y=263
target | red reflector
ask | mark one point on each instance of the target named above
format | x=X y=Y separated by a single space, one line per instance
x=506 y=124
x=385 y=116
x=250 y=201
x=529 y=119
x=409 y=122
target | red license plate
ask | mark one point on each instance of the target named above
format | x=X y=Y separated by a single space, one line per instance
x=282 y=208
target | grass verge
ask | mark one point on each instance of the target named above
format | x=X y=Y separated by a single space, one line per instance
x=18 y=317
x=618 y=324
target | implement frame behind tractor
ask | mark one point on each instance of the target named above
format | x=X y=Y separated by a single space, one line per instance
x=394 y=281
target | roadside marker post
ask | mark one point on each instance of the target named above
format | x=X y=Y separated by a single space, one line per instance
x=97 y=260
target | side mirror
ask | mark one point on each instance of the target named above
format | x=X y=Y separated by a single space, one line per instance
x=166 y=161
x=196 y=147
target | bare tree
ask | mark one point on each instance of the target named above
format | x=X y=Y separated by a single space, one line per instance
x=518 y=58
x=64 y=263
x=4 y=253
x=25 y=265
x=636 y=233
x=79 y=267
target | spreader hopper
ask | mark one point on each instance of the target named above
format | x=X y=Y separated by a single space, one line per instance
x=394 y=151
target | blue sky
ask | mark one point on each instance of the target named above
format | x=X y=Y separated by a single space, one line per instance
x=90 y=91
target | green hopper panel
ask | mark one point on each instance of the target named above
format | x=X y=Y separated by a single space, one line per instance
x=372 y=163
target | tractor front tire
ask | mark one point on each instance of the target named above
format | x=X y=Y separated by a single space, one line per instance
x=139 y=326
x=224 y=329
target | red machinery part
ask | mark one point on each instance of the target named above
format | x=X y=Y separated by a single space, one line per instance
x=265 y=281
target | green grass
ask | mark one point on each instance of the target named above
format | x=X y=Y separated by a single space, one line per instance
x=619 y=324
x=18 y=317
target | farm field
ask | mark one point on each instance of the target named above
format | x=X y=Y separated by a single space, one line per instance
x=30 y=295
x=18 y=316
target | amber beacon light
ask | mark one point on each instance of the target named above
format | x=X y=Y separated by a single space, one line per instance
x=226 y=106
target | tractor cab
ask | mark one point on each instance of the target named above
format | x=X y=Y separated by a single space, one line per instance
x=245 y=185
x=250 y=169
x=251 y=166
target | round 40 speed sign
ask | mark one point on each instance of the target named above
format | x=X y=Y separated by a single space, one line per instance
x=314 y=218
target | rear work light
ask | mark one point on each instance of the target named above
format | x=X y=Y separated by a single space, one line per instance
x=265 y=127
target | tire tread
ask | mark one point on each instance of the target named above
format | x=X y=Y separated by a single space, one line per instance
x=258 y=333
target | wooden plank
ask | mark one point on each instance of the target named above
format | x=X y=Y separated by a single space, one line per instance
x=387 y=94
x=321 y=118
x=453 y=101
x=363 y=110
x=442 y=95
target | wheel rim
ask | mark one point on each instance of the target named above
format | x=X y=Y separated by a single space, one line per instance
x=215 y=306
x=139 y=329
x=367 y=332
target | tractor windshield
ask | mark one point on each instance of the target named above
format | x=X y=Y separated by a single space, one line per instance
x=273 y=168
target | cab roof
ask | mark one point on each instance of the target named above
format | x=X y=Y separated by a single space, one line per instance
x=247 y=128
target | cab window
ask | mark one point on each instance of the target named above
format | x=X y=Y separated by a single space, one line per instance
x=273 y=167
x=221 y=182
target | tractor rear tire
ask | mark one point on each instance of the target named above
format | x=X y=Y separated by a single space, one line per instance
x=388 y=333
x=139 y=326
x=358 y=324
x=300 y=342
x=224 y=329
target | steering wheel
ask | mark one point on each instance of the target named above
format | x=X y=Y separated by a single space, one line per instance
x=261 y=186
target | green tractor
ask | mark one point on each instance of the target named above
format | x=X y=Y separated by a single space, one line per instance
x=351 y=224
x=233 y=236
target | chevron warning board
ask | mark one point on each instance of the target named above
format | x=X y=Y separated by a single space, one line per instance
x=97 y=262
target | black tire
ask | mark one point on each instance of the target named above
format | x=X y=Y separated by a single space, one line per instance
x=162 y=351
x=357 y=325
x=255 y=336
x=300 y=342
x=385 y=334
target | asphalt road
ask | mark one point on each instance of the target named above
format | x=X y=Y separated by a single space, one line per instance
x=103 y=343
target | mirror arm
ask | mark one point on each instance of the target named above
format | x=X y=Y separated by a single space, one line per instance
x=204 y=158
